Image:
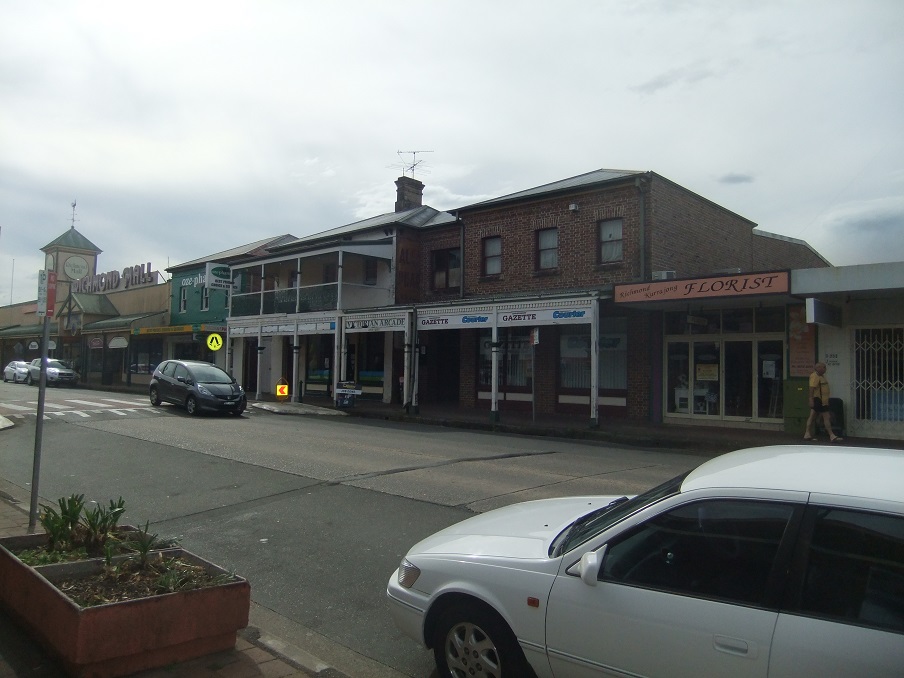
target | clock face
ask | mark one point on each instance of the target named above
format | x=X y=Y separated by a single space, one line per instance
x=75 y=268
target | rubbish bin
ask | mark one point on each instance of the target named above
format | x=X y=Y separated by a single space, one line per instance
x=836 y=412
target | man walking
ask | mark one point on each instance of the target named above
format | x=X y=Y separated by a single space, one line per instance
x=819 y=403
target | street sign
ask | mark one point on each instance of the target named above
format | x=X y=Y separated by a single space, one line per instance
x=42 y=293
x=214 y=342
x=282 y=390
x=218 y=276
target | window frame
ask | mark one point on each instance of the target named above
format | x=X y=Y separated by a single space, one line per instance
x=486 y=257
x=440 y=262
x=603 y=242
x=205 y=298
x=183 y=299
x=541 y=250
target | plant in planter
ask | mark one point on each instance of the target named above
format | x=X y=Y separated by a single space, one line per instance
x=115 y=600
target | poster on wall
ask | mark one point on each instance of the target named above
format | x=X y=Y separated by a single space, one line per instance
x=801 y=343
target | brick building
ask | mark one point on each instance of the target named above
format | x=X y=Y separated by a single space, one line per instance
x=509 y=303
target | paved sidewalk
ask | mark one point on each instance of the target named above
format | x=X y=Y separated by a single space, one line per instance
x=254 y=653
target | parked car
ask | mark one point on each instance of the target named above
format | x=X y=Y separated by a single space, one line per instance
x=58 y=372
x=196 y=386
x=779 y=561
x=16 y=371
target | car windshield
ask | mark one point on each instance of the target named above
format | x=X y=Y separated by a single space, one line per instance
x=209 y=374
x=605 y=517
x=57 y=364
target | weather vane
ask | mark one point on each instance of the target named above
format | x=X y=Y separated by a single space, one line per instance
x=409 y=167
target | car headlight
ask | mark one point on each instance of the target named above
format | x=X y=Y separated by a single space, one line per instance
x=52 y=371
x=408 y=574
x=204 y=391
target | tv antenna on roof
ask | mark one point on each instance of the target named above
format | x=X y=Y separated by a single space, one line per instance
x=409 y=167
x=73 y=215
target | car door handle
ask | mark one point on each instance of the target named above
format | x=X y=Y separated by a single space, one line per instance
x=735 y=646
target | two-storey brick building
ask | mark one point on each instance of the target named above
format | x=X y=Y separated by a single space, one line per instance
x=509 y=303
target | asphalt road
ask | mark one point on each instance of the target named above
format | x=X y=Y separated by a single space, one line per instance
x=315 y=511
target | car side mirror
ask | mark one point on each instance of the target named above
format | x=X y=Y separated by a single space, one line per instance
x=589 y=567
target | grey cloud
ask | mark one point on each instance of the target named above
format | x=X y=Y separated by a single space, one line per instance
x=736 y=178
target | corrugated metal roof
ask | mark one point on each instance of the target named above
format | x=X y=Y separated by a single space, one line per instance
x=235 y=252
x=73 y=240
x=118 y=323
x=417 y=217
x=599 y=176
x=94 y=304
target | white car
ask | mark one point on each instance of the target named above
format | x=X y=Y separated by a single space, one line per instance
x=16 y=371
x=773 y=561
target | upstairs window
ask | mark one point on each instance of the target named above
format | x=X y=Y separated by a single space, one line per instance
x=205 y=298
x=446 y=269
x=370 y=271
x=548 y=249
x=611 y=243
x=183 y=299
x=330 y=273
x=492 y=255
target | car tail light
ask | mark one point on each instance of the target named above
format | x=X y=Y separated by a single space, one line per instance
x=408 y=574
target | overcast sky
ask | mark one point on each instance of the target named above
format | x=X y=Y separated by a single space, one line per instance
x=187 y=128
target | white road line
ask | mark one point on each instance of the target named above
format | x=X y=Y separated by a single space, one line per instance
x=89 y=403
x=120 y=412
x=17 y=408
x=83 y=415
x=126 y=402
x=52 y=406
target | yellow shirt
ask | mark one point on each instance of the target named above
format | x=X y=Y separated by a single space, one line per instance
x=819 y=387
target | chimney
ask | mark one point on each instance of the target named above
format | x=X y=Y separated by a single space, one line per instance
x=409 y=193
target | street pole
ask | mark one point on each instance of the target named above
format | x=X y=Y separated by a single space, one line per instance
x=39 y=430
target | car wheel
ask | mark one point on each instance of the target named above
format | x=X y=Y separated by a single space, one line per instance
x=191 y=405
x=29 y=381
x=472 y=640
x=154 y=396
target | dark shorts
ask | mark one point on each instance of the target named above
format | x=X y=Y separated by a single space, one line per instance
x=818 y=406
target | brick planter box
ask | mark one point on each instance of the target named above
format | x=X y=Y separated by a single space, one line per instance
x=123 y=637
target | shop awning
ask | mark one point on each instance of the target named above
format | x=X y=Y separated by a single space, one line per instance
x=122 y=322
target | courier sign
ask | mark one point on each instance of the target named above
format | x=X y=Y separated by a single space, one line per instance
x=702 y=288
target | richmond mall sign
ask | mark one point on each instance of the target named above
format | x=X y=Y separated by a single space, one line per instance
x=131 y=276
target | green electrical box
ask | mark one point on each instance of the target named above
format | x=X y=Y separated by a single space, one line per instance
x=796 y=404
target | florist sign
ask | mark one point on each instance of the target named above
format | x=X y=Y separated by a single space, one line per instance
x=702 y=288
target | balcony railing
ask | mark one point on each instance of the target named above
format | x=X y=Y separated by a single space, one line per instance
x=292 y=300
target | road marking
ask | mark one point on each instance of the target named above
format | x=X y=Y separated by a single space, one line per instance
x=89 y=403
x=120 y=412
x=52 y=406
x=127 y=402
x=17 y=408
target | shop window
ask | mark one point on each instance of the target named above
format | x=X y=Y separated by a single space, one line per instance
x=771 y=319
x=446 y=269
x=737 y=321
x=492 y=255
x=548 y=249
x=611 y=243
x=319 y=352
x=145 y=354
x=574 y=355
x=514 y=358
x=371 y=345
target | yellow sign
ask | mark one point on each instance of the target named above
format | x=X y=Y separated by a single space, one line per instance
x=282 y=390
x=214 y=342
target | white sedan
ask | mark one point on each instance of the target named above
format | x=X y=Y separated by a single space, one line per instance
x=16 y=371
x=774 y=561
